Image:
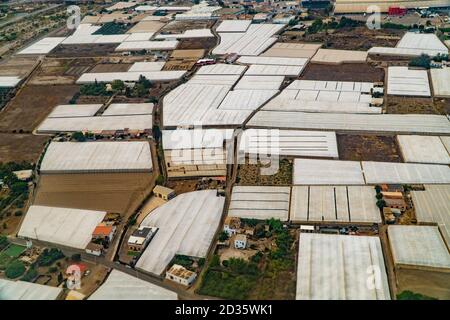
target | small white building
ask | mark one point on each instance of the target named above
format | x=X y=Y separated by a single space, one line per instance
x=231 y=225
x=181 y=275
x=240 y=241
x=94 y=249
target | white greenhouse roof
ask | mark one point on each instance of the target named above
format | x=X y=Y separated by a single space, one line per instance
x=187 y=225
x=147 y=45
x=139 y=36
x=253 y=42
x=410 y=123
x=74 y=110
x=273 y=70
x=43 y=46
x=195 y=139
x=122 y=286
x=321 y=144
x=130 y=76
x=335 y=267
x=221 y=69
x=260 y=203
x=192 y=33
x=332 y=56
x=278 y=61
x=405 y=82
x=246 y=99
x=234 y=26
x=292 y=50
x=405 y=173
x=23 y=290
x=418 y=246
x=441 y=82
x=9 y=82
x=423 y=149
x=433 y=206
x=327 y=172
x=146 y=66
x=344 y=204
x=340 y=86
x=62 y=226
x=259 y=83
x=96 y=124
x=122 y=109
x=429 y=41
x=97 y=156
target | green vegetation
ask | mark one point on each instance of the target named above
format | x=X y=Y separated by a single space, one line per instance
x=5 y=95
x=117 y=85
x=390 y=25
x=184 y=261
x=48 y=257
x=423 y=61
x=76 y=257
x=409 y=295
x=223 y=236
x=268 y=274
x=14 y=250
x=94 y=89
x=78 y=136
x=30 y=275
x=141 y=88
x=17 y=190
x=112 y=28
x=15 y=269
x=3 y=242
x=318 y=25
x=160 y=180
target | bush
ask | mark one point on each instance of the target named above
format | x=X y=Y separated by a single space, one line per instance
x=78 y=136
x=76 y=257
x=160 y=180
x=15 y=269
x=423 y=61
x=18 y=213
x=184 y=261
x=381 y=203
x=409 y=295
x=47 y=257
x=223 y=236
x=30 y=275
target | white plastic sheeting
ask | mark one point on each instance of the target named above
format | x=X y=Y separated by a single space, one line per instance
x=405 y=82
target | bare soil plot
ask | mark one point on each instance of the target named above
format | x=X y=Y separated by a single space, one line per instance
x=250 y=174
x=112 y=67
x=92 y=99
x=182 y=186
x=84 y=50
x=17 y=66
x=368 y=148
x=408 y=105
x=359 y=38
x=112 y=192
x=181 y=26
x=344 y=72
x=31 y=106
x=429 y=283
x=198 y=43
x=61 y=71
x=21 y=147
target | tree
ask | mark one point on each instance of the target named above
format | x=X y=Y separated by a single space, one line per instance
x=223 y=236
x=117 y=85
x=423 y=61
x=377 y=189
x=160 y=180
x=409 y=295
x=379 y=196
x=381 y=203
x=78 y=136
x=15 y=269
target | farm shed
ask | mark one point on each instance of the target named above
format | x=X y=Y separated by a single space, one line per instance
x=192 y=153
x=74 y=110
x=394 y=123
x=43 y=46
x=423 y=149
x=433 y=206
x=123 y=109
x=327 y=172
x=335 y=267
x=62 y=226
x=418 y=246
x=295 y=143
x=187 y=225
x=406 y=82
x=405 y=173
x=255 y=202
x=340 y=204
x=97 y=157
x=96 y=124
x=121 y=286
x=23 y=290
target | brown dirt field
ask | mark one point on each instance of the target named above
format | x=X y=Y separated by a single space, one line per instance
x=21 y=147
x=32 y=105
x=111 y=67
x=360 y=38
x=198 y=43
x=61 y=71
x=112 y=192
x=83 y=50
x=368 y=148
x=250 y=174
x=407 y=105
x=124 y=99
x=173 y=65
x=429 y=283
x=17 y=66
x=181 y=26
x=92 y=99
x=344 y=72
x=183 y=186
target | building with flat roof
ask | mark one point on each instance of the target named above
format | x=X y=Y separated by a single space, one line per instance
x=181 y=275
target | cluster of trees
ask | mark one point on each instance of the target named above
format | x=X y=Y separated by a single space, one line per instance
x=112 y=28
x=423 y=61
x=344 y=22
x=49 y=256
x=184 y=261
x=380 y=201
x=16 y=187
x=94 y=89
